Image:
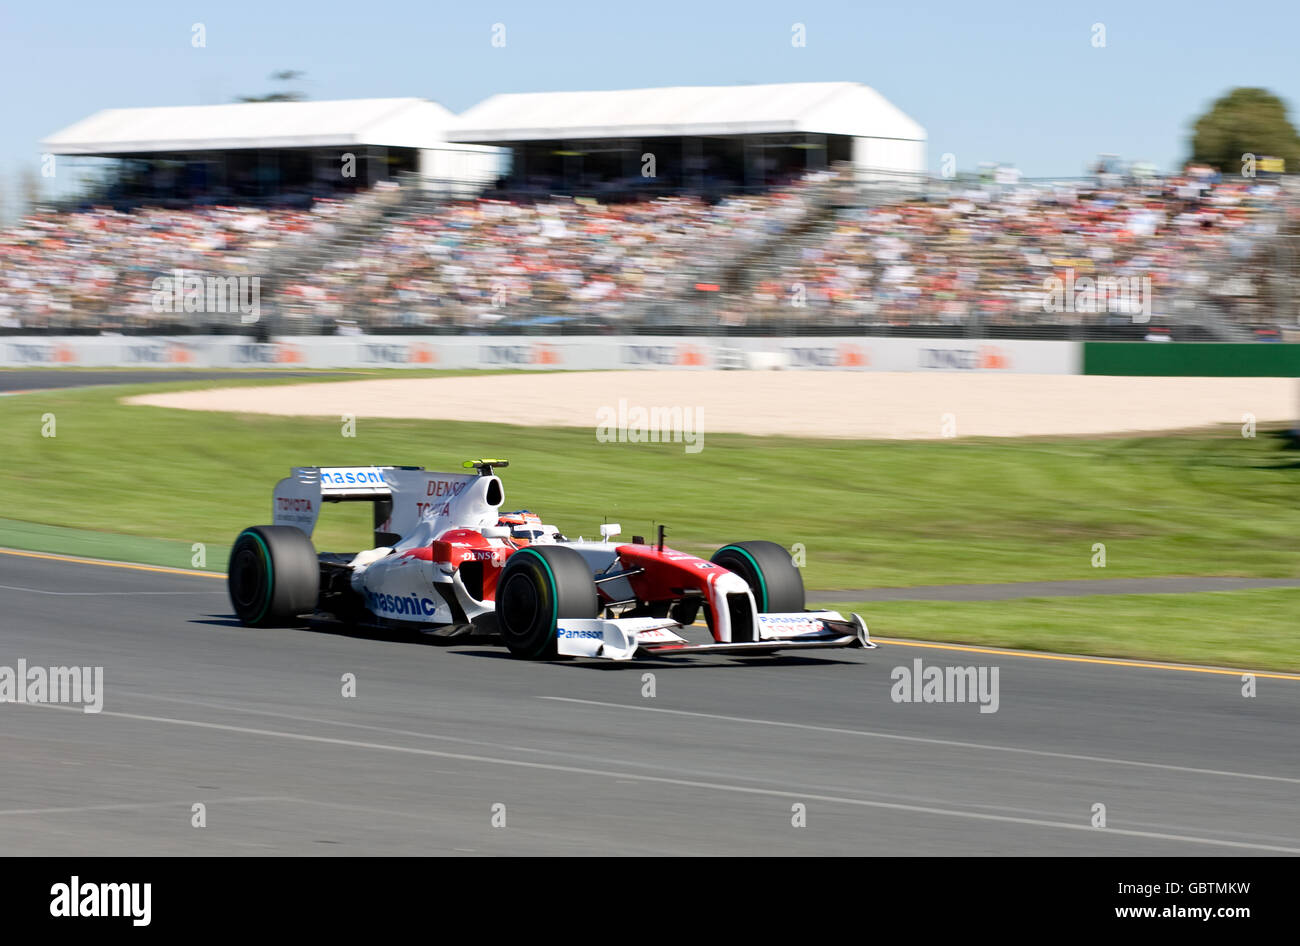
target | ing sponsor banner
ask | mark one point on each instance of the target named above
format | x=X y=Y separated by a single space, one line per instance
x=551 y=353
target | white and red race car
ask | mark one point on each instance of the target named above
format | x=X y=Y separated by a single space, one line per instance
x=448 y=561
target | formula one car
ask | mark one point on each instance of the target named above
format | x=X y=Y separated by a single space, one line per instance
x=448 y=561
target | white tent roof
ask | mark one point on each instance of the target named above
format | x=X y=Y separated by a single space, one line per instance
x=397 y=123
x=837 y=108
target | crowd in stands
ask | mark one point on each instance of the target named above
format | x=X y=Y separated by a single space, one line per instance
x=97 y=268
x=804 y=253
x=476 y=263
x=994 y=254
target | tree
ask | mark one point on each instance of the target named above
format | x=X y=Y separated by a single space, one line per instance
x=1245 y=121
x=287 y=75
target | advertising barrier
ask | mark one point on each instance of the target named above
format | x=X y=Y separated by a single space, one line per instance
x=579 y=353
x=606 y=352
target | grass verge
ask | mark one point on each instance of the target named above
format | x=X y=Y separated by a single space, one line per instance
x=1253 y=629
x=146 y=484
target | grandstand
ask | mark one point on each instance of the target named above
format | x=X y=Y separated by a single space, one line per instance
x=709 y=140
x=266 y=152
x=437 y=235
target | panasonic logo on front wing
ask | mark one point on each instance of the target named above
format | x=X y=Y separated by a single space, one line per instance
x=588 y=635
x=411 y=604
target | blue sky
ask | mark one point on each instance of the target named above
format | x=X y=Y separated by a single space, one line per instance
x=1014 y=81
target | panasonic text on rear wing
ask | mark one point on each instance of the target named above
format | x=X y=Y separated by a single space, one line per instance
x=346 y=482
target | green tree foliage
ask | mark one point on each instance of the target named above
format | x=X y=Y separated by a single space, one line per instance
x=1245 y=121
x=287 y=75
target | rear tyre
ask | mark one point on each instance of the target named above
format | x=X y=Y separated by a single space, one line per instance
x=273 y=576
x=539 y=586
x=769 y=571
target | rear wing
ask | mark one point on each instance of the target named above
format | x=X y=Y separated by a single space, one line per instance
x=297 y=498
x=402 y=495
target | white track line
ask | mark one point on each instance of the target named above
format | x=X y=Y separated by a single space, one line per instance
x=955 y=743
x=684 y=783
x=100 y=594
x=138 y=806
x=481 y=743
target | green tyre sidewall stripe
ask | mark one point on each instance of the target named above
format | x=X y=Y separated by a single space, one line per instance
x=762 y=582
x=555 y=600
x=270 y=574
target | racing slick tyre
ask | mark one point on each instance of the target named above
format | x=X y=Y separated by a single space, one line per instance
x=273 y=576
x=539 y=585
x=769 y=571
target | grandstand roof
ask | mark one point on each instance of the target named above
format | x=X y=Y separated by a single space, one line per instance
x=840 y=108
x=397 y=123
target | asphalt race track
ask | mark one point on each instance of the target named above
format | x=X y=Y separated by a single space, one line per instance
x=253 y=725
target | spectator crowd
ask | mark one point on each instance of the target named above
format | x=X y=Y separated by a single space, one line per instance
x=487 y=261
x=97 y=268
x=815 y=251
x=994 y=255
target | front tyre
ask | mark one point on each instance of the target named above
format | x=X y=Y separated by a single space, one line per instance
x=273 y=576
x=770 y=573
x=539 y=586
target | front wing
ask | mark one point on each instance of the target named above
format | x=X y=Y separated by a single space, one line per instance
x=624 y=638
